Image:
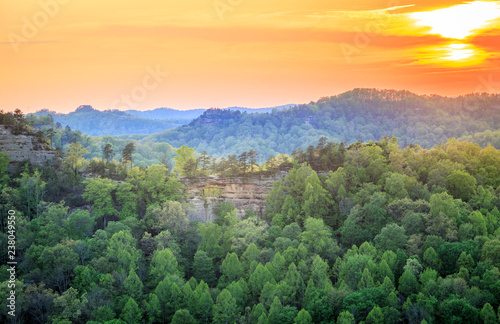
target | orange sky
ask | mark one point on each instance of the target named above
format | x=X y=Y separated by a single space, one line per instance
x=59 y=54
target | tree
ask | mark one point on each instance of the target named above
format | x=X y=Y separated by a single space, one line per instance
x=318 y=237
x=225 y=308
x=163 y=264
x=488 y=314
x=303 y=317
x=204 y=268
x=127 y=154
x=99 y=192
x=252 y=156
x=131 y=312
x=491 y=252
x=133 y=286
x=182 y=316
x=153 y=308
x=461 y=185
x=79 y=224
x=122 y=252
x=70 y=304
x=74 y=157
x=274 y=311
x=345 y=317
x=185 y=161
x=108 y=152
x=408 y=283
x=375 y=316
x=204 y=307
x=32 y=189
x=391 y=237
x=231 y=269
x=4 y=164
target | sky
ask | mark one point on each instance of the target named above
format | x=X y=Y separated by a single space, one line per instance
x=60 y=54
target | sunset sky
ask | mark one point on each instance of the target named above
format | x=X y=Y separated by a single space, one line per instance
x=253 y=53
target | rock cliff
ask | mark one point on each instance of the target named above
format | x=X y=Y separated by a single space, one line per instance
x=245 y=193
x=23 y=147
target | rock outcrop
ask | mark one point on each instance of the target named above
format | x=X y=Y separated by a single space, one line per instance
x=245 y=193
x=23 y=147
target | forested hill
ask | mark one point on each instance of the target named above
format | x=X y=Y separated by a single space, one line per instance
x=114 y=122
x=169 y=113
x=360 y=114
x=110 y=122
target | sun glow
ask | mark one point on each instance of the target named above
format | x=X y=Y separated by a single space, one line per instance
x=452 y=55
x=458 y=52
x=459 y=21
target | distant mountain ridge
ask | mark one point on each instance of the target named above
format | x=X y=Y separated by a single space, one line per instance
x=356 y=115
x=115 y=122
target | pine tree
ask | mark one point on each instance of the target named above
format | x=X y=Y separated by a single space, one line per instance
x=225 y=308
x=131 y=312
x=182 y=316
x=375 y=316
x=274 y=311
x=133 y=286
x=204 y=268
x=303 y=317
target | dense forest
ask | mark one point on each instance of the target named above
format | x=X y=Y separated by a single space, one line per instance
x=361 y=114
x=372 y=232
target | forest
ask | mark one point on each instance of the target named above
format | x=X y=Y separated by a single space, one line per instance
x=357 y=115
x=367 y=232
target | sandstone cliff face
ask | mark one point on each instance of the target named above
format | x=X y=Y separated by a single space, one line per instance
x=243 y=192
x=23 y=147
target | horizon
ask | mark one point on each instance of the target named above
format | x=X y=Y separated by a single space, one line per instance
x=127 y=55
x=243 y=107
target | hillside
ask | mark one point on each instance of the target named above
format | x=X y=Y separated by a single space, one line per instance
x=360 y=114
x=110 y=122
x=169 y=113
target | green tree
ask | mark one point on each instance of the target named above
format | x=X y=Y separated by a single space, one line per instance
x=70 y=305
x=99 y=192
x=182 y=316
x=461 y=185
x=231 y=270
x=133 y=286
x=318 y=237
x=488 y=314
x=303 y=317
x=205 y=307
x=185 y=161
x=225 y=308
x=108 y=152
x=431 y=258
x=131 y=312
x=74 y=157
x=79 y=224
x=491 y=252
x=153 y=308
x=391 y=237
x=345 y=317
x=375 y=316
x=408 y=283
x=274 y=311
x=122 y=252
x=127 y=154
x=163 y=264
x=204 y=268
x=4 y=164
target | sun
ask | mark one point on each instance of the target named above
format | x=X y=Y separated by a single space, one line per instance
x=459 y=21
x=459 y=52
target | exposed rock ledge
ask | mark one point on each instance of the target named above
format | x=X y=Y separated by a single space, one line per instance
x=245 y=193
x=23 y=147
